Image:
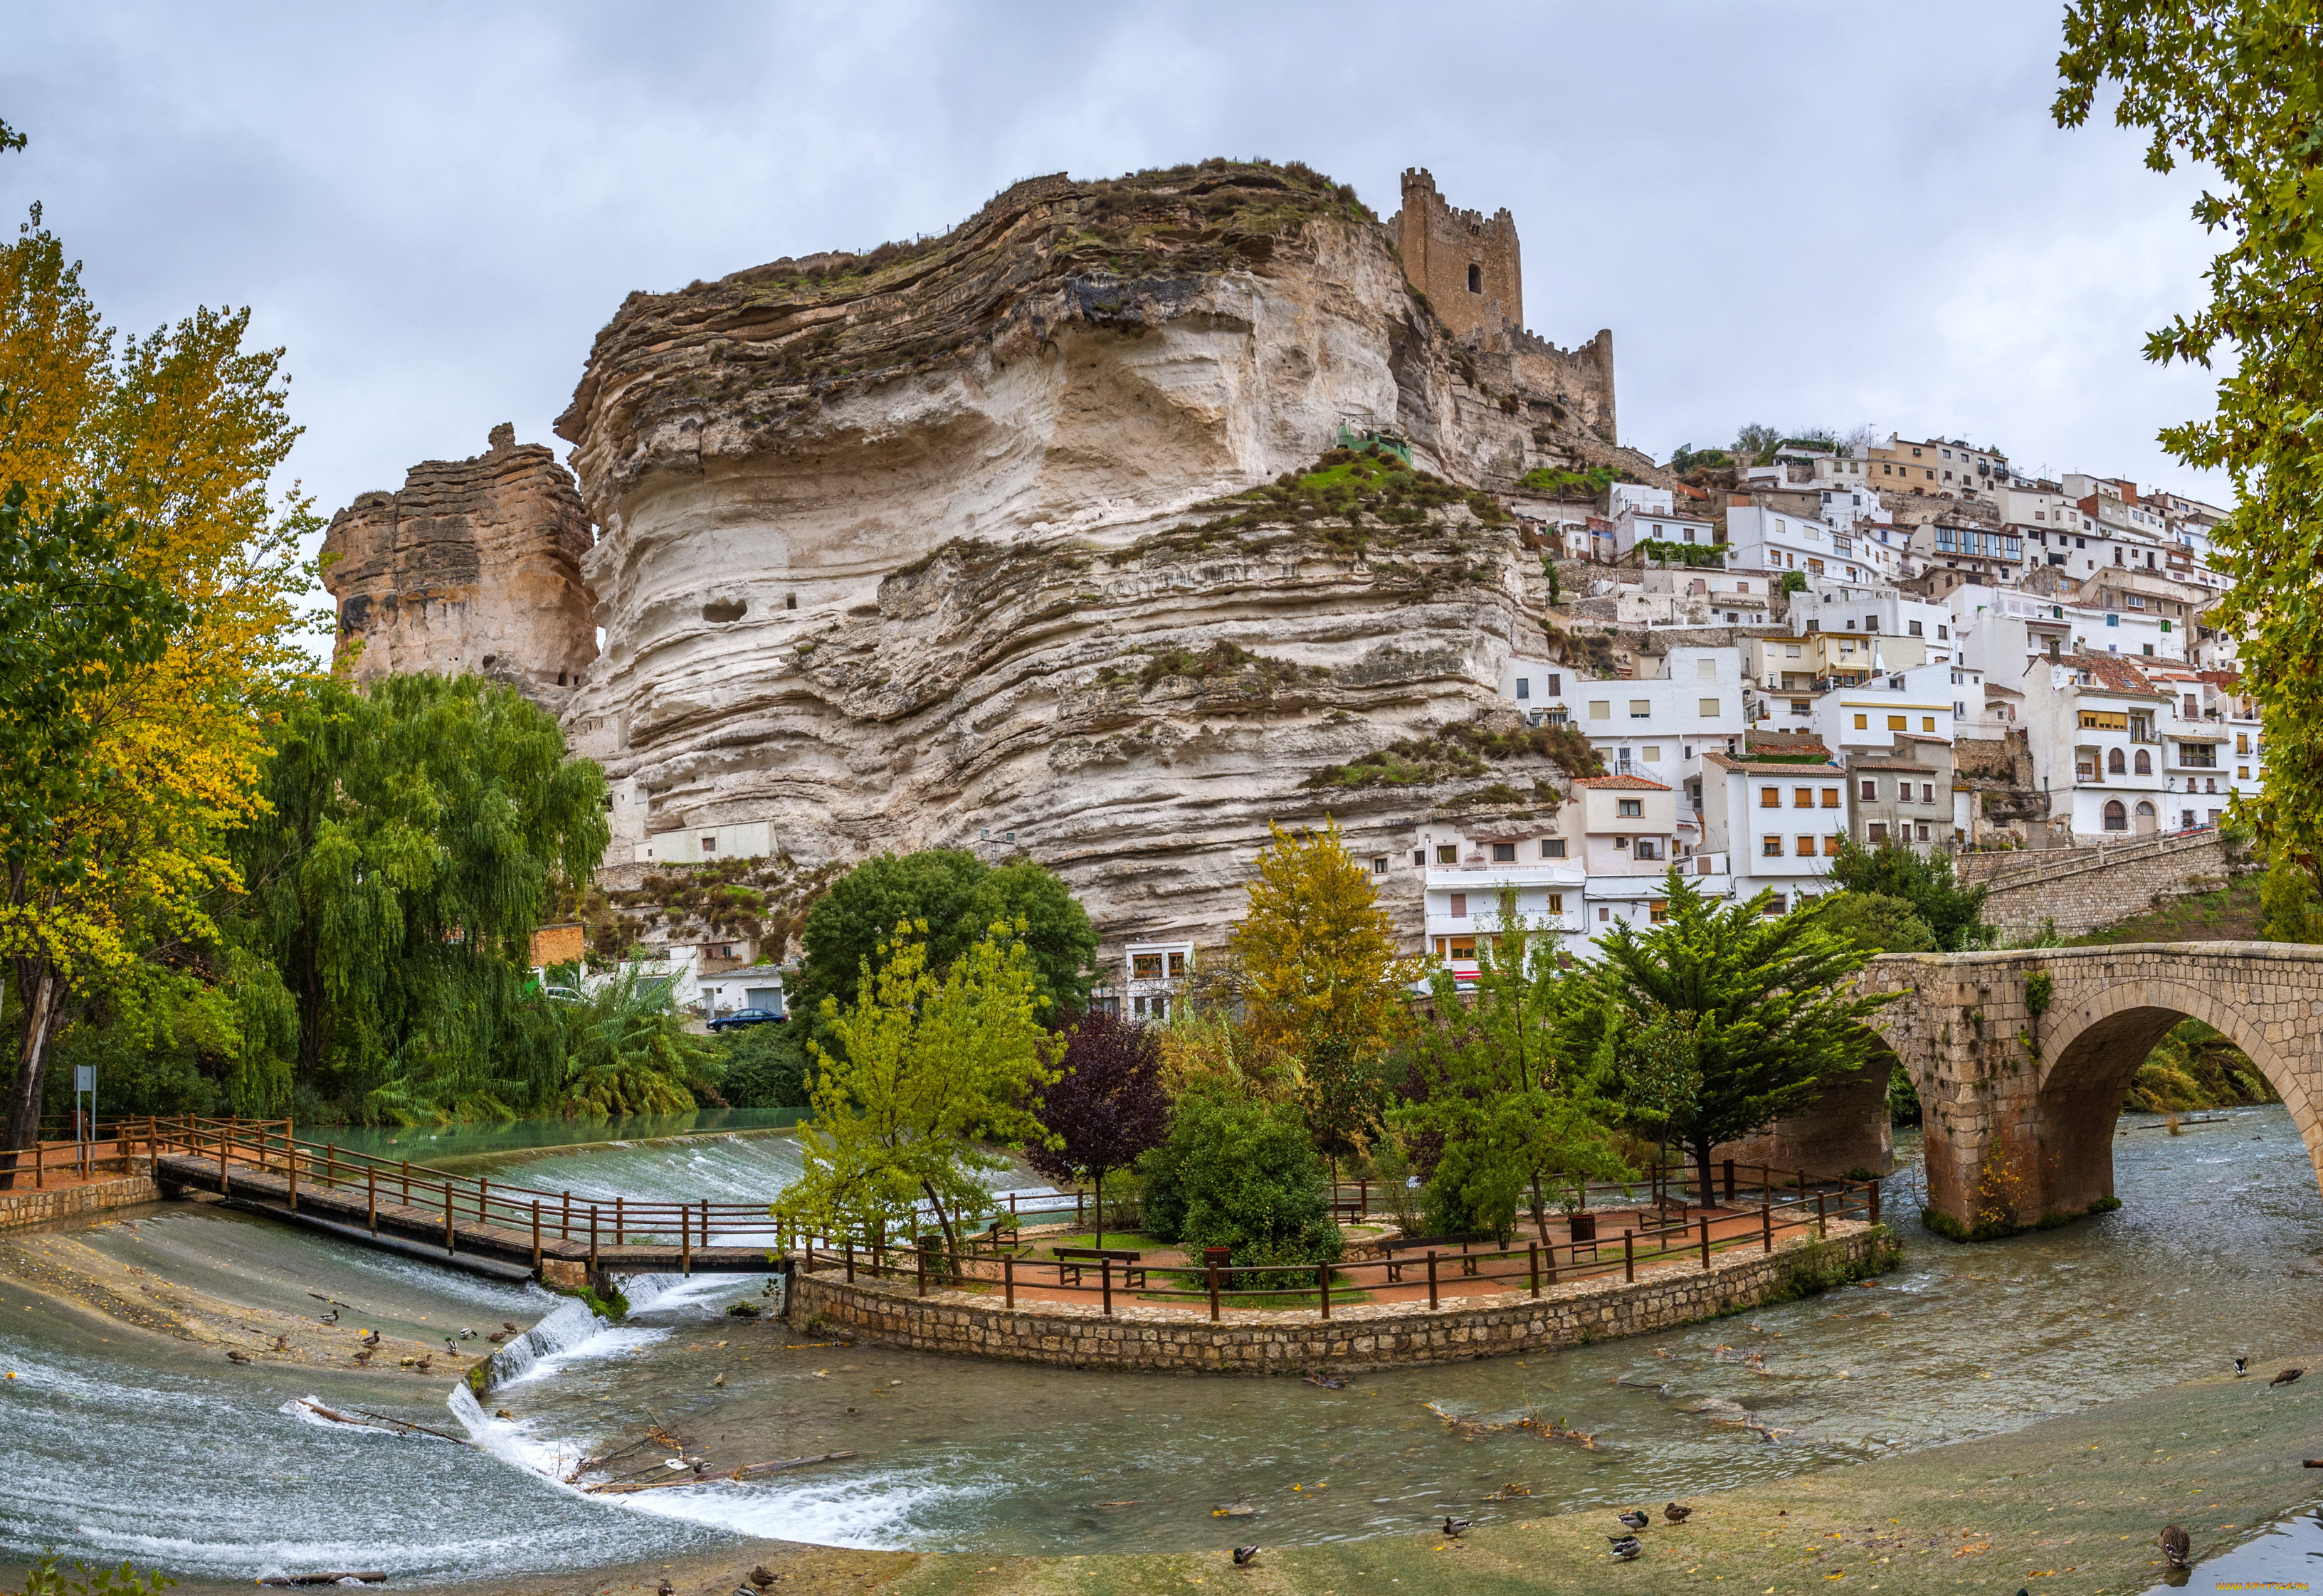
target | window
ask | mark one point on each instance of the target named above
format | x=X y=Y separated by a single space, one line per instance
x=1555 y=683
x=2241 y=772
x=1504 y=853
x=1871 y=790
x=1831 y=797
x=1770 y=847
x=2117 y=818
x=1651 y=754
x=1802 y=797
x=1447 y=853
x=1800 y=706
x=2145 y=763
x=1927 y=723
x=1630 y=808
x=1806 y=848
x=1601 y=708
x=1915 y=630
x=1378 y=865
x=1648 y=848
x=1475 y=278
x=1640 y=708
x=1770 y=798
x=1177 y=965
x=1780 y=904
x=1876 y=831
x=1552 y=848
x=1524 y=687
x=2114 y=764
x=1895 y=722
x=1459 y=906
x=1942 y=632
x=1707 y=669
x=1603 y=914
x=1863 y=723
x=1830 y=847
x=1924 y=832
x=710 y=845
x=1557 y=902
x=1658 y=911
x=1145 y=966
x=2242 y=742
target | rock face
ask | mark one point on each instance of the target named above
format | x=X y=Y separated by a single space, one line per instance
x=474 y=566
x=1013 y=540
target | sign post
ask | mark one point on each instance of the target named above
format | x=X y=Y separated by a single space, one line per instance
x=83 y=1131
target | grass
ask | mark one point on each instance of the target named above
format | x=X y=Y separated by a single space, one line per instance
x=1128 y=1240
x=2230 y=914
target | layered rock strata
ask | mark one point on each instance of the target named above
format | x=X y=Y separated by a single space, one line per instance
x=922 y=547
x=474 y=566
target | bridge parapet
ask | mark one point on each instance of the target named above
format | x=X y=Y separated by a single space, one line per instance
x=2022 y=1059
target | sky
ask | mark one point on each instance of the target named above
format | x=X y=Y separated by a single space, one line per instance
x=1806 y=215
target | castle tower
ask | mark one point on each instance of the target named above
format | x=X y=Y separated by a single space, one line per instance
x=1468 y=266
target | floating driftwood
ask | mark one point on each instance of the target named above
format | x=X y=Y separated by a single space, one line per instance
x=746 y=1472
x=372 y=1421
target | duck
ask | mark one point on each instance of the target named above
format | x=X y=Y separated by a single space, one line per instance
x=1626 y=1548
x=363 y=1357
x=1244 y=1557
x=371 y=1340
x=2284 y=1377
x=497 y=1336
x=761 y=1576
x=234 y=1357
x=1677 y=1514
x=329 y=1318
x=2241 y=1367
x=2177 y=1546
x=467 y=1336
x=1636 y=1520
x=1455 y=1527
x=509 y=1325
x=281 y=1343
x=664 y=1589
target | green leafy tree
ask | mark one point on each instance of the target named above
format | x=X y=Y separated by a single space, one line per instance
x=1241 y=1174
x=1951 y=910
x=2236 y=87
x=413 y=829
x=765 y=1066
x=1344 y=1096
x=924 y=1072
x=625 y=1051
x=960 y=897
x=1510 y=1116
x=1750 y=1014
x=1877 y=924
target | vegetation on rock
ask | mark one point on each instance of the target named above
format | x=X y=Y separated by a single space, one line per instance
x=1458 y=750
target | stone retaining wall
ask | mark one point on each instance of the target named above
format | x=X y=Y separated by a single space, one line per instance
x=23 y=1206
x=2086 y=888
x=1357 y=1335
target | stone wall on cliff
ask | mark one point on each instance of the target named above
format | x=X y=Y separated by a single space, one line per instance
x=909 y=549
x=474 y=566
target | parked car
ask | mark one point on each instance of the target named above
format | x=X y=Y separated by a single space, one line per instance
x=745 y=1017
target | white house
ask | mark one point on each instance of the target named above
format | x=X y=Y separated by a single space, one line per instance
x=1656 y=727
x=1774 y=817
x=1760 y=537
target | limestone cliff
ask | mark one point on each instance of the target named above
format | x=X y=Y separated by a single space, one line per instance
x=474 y=566
x=938 y=545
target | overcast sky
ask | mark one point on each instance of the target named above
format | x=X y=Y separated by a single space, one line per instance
x=1799 y=213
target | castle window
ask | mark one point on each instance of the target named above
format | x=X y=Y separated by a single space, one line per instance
x=1475 y=278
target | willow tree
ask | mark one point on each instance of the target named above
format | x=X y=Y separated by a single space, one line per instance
x=182 y=433
x=2236 y=87
x=413 y=827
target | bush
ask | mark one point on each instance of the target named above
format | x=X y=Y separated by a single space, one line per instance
x=1878 y=924
x=1240 y=1175
x=764 y=1066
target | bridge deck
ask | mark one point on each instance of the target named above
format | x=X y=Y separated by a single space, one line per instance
x=349 y=1210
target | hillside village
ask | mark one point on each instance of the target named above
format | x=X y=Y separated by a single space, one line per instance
x=995 y=541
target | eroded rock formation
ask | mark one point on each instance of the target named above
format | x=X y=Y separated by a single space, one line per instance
x=474 y=566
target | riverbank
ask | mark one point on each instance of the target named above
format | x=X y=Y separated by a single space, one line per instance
x=2070 y=1506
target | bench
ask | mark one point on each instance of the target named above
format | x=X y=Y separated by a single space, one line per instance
x=1388 y=1250
x=1072 y=1261
x=1001 y=1233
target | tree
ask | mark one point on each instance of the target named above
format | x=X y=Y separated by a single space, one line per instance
x=1754 y=442
x=182 y=431
x=1506 y=1114
x=1318 y=955
x=765 y=1066
x=1953 y=912
x=1106 y=1108
x=960 y=897
x=1877 y=924
x=1241 y=1174
x=412 y=830
x=2237 y=86
x=923 y=1070
x=1722 y=1020
x=627 y=1052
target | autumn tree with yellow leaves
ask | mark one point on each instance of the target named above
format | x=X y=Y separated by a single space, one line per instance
x=176 y=435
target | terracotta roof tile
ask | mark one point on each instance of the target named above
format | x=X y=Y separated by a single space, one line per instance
x=1622 y=783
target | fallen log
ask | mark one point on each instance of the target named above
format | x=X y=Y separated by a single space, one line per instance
x=405 y=1423
x=746 y=1472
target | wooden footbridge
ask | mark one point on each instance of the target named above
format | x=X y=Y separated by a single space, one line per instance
x=498 y=1227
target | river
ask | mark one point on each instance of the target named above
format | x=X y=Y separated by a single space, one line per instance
x=2215 y=1252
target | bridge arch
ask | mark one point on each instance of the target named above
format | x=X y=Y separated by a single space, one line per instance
x=2023 y=1059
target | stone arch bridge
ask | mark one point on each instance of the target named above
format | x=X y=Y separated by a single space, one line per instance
x=2022 y=1058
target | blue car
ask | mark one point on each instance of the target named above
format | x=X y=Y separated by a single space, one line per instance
x=745 y=1017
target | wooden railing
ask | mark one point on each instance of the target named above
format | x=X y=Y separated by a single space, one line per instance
x=1666 y=1232
x=104 y=1144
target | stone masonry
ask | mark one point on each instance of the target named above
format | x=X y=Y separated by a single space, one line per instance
x=26 y=1206
x=2092 y=887
x=1358 y=1335
x=2022 y=1058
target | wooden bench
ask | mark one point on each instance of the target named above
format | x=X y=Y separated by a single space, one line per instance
x=1072 y=1261
x=1388 y=1250
x=1001 y=1233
